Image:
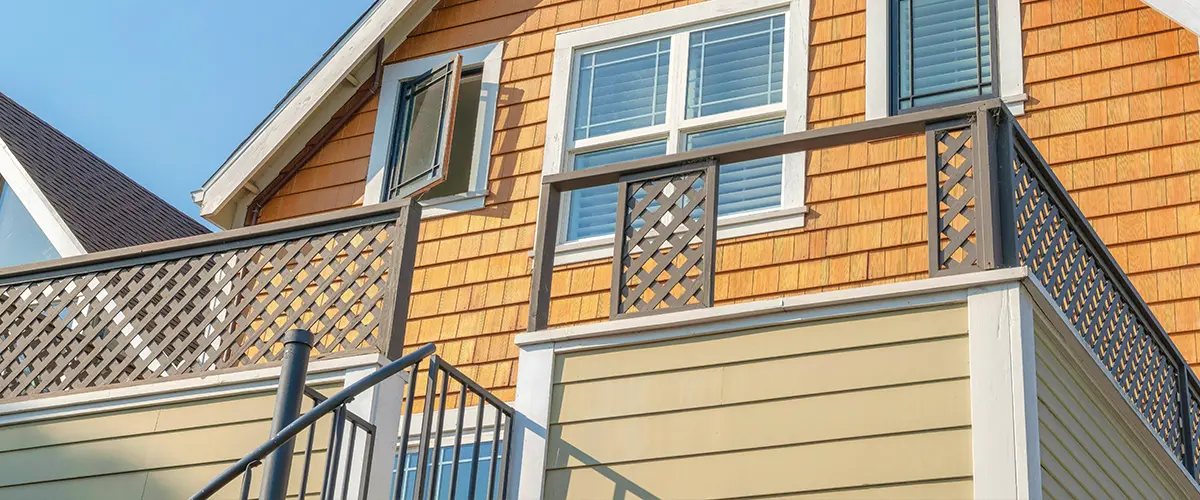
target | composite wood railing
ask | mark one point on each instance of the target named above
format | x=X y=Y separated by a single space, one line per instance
x=207 y=303
x=993 y=202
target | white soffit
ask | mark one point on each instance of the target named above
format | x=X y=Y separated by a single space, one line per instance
x=358 y=46
x=43 y=212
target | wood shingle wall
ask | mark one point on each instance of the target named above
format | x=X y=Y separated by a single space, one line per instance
x=1114 y=103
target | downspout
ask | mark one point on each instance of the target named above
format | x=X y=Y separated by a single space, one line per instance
x=325 y=135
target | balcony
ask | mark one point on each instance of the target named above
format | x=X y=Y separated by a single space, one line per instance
x=208 y=304
x=993 y=204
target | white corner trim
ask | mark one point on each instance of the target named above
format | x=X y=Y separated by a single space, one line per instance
x=174 y=390
x=1009 y=53
x=43 y=212
x=733 y=226
x=532 y=422
x=1004 y=427
x=489 y=56
x=907 y=294
x=1064 y=336
x=279 y=127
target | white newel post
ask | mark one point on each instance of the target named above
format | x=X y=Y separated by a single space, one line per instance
x=380 y=406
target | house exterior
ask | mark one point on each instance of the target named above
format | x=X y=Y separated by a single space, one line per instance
x=60 y=200
x=718 y=249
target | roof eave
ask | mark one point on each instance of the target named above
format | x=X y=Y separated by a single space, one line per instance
x=221 y=191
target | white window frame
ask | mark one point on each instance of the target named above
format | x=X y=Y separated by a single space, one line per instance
x=1006 y=41
x=487 y=56
x=676 y=24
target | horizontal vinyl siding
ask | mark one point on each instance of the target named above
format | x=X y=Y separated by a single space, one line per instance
x=1086 y=452
x=739 y=414
x=150 y=453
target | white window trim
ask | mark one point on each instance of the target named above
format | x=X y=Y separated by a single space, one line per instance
x=794 y=109
x=487 y=55
x=1009 y=54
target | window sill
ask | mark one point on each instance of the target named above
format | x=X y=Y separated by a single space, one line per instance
x=453 y=204
x=735 y=226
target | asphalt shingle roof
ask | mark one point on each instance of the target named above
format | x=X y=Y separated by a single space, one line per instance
x=101 y=206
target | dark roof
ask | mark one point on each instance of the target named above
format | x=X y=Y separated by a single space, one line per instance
x=101 y=206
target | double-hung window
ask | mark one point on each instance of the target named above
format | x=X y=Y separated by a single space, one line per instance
x=434 y=128
x=673 y=81
x=926 y=53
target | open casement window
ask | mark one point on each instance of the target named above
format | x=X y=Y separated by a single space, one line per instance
x=424 y=124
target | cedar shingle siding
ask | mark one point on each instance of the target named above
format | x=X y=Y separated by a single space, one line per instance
x=1114 y=101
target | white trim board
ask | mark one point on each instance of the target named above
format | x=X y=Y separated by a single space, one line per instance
x=488 y=56
x=1184 y=12
x=43 y=212
x=708 y=320
x=281 y=127
x=174 y=390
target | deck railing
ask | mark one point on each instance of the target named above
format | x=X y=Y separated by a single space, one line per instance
x=993 y=202
x=208 y=303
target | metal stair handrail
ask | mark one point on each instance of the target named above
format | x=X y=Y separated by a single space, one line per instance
x=324 y=408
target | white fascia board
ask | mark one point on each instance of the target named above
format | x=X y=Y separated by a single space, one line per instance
x=268 y=138
x=35 y=201
x=1184 y=12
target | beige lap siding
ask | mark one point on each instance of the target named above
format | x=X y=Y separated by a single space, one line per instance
x=867 y=407
x=1086 y=451
x=164 y=452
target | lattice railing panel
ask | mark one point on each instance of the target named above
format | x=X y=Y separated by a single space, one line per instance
x=1054 y=250
x=957 y=225
x=219 y=309
x=665 y=240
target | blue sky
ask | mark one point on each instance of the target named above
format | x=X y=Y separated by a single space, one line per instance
x=162 y=89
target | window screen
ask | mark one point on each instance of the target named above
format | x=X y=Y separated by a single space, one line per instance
x=941 y=51
x=423 y=132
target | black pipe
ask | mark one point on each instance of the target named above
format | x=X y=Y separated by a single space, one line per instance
x=297 y=345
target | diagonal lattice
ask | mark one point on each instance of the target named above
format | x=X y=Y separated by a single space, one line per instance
x=956 y=198
x=205 y=310
x=1129 y=346
x=665 y=242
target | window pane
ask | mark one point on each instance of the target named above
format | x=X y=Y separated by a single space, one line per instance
x=21 y=240
x=446 y=453
x=622 y=89
x=735 y=67
x=423 y=129
x=748 y=185
x=943 y=51
x=593 y=211
x=462 y=143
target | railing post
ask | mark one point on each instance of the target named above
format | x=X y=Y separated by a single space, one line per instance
x=399 y=283
x=1185 y=415
x=973 y=180
x=543 y=257
x=297 y=345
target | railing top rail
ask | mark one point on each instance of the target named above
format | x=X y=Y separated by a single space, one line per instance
x=1069 y=209
x=311 y=416
x=194 y=245
x=807 y=140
